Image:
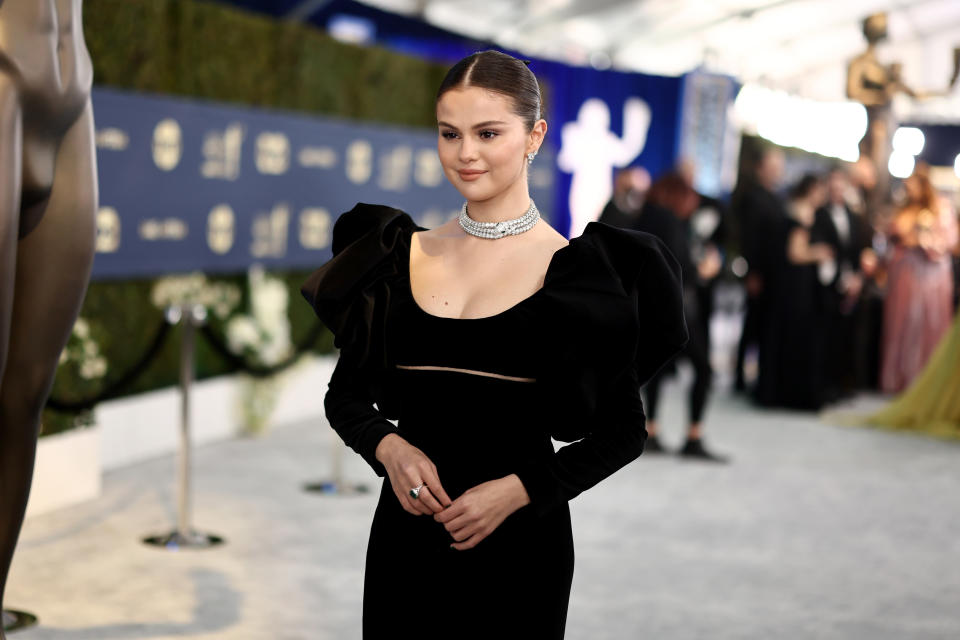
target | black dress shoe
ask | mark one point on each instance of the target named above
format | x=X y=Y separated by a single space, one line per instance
x=694 y=448
x=652 y=445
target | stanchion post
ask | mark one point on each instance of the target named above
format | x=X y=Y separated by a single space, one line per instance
x=336 y=485
x=184 y=536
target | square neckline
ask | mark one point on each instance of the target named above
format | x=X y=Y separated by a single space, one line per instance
x=495 y=316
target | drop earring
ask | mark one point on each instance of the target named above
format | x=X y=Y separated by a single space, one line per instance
x=531 y=156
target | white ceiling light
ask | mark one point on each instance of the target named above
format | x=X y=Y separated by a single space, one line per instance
x=908 y=140
x=600 y=60
x=901 y=164
x=829 y=128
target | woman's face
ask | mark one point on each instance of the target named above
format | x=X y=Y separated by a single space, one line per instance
x=482 y=143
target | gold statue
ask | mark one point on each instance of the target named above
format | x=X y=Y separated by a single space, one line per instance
x=48 y=201
x=874 y=85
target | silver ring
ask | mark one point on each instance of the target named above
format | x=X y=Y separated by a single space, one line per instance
x=415 y=492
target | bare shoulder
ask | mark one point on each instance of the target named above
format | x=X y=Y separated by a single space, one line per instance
x=550 y=237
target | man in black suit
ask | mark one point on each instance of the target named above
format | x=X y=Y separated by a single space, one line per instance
x=850 y=236
x=759 y=213
x=630 y=187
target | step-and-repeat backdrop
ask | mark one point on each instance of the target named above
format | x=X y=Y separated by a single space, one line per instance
x=188 y=185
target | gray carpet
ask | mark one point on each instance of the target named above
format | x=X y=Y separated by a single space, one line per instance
x=814 y=531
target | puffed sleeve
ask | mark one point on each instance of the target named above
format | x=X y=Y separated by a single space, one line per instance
x=350 y=294
x=593 y=392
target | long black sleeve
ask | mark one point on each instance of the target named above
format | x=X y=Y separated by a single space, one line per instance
x=615 y=440
x=349 y=408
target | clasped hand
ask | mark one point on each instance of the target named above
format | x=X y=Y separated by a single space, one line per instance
x=470 y=518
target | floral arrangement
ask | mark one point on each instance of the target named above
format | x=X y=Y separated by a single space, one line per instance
x=263 y=337
x=83 y=352
x=219 y=297
x=82 y=355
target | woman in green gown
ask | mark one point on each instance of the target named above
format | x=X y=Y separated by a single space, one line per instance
x=932 y=402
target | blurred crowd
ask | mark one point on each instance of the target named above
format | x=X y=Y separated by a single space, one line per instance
x=837 y=300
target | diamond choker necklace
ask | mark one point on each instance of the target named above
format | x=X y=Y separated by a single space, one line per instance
x=503 y=227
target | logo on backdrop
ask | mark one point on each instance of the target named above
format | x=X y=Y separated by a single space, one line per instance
x=220 y=229
x=167 y=144
x=590 y=150
x=221 y=152
x=108 y=230
x=273 y=153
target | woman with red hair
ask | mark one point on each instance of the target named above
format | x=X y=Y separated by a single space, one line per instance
x=918 y=307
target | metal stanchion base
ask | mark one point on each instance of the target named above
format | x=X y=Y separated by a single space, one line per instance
x=332 y=487
x=177 y=540
x=16 y=620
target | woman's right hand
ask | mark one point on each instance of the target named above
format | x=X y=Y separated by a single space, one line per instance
x=408 y=467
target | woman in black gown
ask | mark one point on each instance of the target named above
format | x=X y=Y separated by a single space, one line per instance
x=792 y=338
x=483 y=342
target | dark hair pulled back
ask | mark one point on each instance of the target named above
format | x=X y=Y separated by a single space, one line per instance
x=805 y=186
x=502 y=73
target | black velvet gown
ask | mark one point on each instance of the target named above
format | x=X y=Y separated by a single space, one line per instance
x=574 y=355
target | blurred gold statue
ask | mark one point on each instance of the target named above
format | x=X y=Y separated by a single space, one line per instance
x=48 y=201
x=874 y=85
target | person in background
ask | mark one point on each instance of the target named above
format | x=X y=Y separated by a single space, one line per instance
x=669 y=205
x=630 y=187
x=843 y=279
x=792 y=347
x=919 y=304
x=760 y=213
x=863 y=179
x=707 y=233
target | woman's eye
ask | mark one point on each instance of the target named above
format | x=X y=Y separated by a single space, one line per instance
x=449 y=135
x=484 y=134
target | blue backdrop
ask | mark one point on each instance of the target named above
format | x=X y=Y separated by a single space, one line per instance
x=187 y=185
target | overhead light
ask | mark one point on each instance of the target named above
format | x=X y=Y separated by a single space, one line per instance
x=829 y=128
x=351 y=29
x=600 y=60
x=901 y=164
x=908 y=140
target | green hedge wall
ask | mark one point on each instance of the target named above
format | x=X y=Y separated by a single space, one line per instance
x=207 y=50
x=211 y=51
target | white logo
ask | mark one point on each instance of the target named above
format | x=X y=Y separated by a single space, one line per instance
x=113 y=139
x=167 y=144
x=108 y=230
x=220 y=229
x=359 y=161
x=273 y=153
x=314 y=228
x=395 y=169
x=590 y=151
x=428 y=172
x=317 y=157
x=153 y=229
x=221 y=153
x=270 y=233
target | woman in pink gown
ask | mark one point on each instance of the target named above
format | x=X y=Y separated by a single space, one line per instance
x=919 y=305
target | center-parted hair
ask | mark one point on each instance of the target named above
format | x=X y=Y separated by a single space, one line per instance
x=502 y=73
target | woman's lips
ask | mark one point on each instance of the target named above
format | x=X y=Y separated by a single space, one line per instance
x=470 y=175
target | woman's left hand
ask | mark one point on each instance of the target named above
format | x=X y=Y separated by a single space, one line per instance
x=479 y=511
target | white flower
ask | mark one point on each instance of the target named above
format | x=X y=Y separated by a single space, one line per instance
x=94 y=368
x=242 y=334
x=81 y=329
